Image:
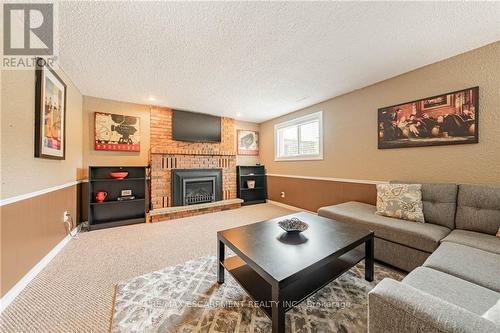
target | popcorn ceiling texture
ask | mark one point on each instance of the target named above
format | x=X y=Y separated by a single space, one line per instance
x=260 y=59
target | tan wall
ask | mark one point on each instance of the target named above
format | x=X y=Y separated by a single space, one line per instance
x=350 y=128
x=312 y=194
x=21 y=171
x=93 y=157
x=246 y=159
x=104 y=158
x=31 y=228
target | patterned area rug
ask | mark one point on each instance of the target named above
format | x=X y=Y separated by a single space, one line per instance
x=186 y=298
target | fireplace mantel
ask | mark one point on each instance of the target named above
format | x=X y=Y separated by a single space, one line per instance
x=167 y=154
x=180 y=151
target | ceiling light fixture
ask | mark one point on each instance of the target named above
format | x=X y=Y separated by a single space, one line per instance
x=151 y=98
x=238 y=115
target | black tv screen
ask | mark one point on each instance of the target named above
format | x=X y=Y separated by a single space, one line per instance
x=195 y=127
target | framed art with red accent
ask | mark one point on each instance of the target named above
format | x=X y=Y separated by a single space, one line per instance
x=446 y=119
x=248 y=142
x=50 y=113
x=115 y=132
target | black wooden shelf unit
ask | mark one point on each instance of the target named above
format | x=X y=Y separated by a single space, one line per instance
x=113 y=212
x=256 y=173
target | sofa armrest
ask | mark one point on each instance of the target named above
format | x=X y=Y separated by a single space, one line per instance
x=397 y=307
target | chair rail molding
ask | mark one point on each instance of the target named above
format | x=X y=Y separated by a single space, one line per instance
x=29 y=195
x=331 y=179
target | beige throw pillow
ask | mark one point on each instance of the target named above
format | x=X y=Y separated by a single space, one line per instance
x=402 y=201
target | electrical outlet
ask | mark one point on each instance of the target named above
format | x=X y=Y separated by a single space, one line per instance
x=282 y=194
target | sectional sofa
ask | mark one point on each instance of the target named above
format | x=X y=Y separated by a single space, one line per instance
x=454 y=259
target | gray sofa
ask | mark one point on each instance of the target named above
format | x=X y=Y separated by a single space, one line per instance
x=454 y=259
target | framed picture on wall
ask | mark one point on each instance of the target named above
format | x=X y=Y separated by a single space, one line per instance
x=50 y=113
x=248 y=142
x=446 y=119
x=116 y=132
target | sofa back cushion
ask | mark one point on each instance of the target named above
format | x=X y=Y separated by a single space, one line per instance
x=478 y=208
x=439 y=201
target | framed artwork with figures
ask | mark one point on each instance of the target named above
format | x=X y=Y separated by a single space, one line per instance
x=248 y=142
x=117 y=132
x=50 y=113
x=446 y=119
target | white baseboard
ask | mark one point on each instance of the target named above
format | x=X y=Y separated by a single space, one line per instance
x=26 y=279
x=297 y=209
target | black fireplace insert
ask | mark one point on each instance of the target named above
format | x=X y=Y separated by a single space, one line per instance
x=194 y=186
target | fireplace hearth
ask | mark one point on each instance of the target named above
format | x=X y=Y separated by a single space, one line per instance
x=195 y=186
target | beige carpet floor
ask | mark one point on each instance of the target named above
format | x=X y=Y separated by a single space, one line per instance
x=74 y=293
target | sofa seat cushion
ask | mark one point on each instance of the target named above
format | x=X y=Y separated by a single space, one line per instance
x=465 y=294
x=468 y=263
x=478 y=209
x=400 y=256
x=421 y=236
x=478 y=240
x=493 y=314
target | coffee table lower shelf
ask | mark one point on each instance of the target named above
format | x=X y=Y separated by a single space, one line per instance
x=295 y=292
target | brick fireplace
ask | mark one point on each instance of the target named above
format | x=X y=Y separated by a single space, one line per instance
x=167 y=155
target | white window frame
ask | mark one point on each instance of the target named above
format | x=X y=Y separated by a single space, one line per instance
x=297 y=121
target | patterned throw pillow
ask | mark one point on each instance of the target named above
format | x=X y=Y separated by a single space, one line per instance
x=402 y=201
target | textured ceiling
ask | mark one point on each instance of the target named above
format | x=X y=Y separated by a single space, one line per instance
x=258 y=60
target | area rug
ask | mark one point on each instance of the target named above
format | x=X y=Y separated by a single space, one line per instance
x=186 y=298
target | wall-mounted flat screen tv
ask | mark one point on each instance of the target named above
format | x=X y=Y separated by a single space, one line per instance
x=195 y=127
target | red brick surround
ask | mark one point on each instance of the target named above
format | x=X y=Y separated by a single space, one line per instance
x=162 y=143
x=168 y=154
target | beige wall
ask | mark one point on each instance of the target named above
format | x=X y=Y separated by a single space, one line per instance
x=21 y=171
x=103 y=158
x=244 y=159
x=31 y=228
x=25 y=241
x=350 y=128
x=93 y=157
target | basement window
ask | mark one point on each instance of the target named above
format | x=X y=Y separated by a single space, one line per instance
x=299 y=138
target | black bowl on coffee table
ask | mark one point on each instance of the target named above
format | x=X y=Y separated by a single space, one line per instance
x=293 y=225
x=279 y=270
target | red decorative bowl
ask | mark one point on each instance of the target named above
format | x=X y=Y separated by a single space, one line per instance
x=118 y=174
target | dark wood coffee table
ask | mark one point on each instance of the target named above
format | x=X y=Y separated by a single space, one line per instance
x=280 y=270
